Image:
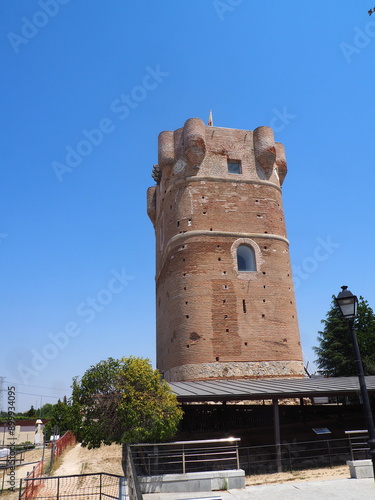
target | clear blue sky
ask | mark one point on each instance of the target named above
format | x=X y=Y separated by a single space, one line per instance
x=74 y=229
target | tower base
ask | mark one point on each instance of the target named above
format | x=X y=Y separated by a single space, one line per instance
x=236 y=370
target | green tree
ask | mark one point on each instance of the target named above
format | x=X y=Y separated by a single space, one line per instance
x=61 y=418
x=31 y=413
x=335 y=355
x=124 y=401
x=46 y=410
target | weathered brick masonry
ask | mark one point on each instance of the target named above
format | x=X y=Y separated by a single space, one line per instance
x=214 y=320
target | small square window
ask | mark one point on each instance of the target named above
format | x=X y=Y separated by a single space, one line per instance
x=234 y=167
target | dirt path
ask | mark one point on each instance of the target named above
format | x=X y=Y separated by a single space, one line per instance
x=79 y=460
x=70 y=462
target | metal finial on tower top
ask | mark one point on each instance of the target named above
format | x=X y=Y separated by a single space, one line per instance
x=210 y=120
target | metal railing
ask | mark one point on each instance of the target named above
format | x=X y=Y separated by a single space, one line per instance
x=186 y=456
x=294 y=456
x=134 y=490
x=15 y=459
x=358 y=442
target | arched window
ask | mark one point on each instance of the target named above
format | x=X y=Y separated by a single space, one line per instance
x=245 y=258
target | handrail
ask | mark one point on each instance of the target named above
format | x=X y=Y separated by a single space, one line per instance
x=196 y=441
x=186 y=456
x=134 y=490
x=361 y=445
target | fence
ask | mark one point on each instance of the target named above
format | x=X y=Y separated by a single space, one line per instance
x=34 y=477
x=60 y=445
x=186 y=456
x=34 y=485
x=16 y=459
x=9 y=468
x=80 y=486
x=195 y=456
x=68 y=439
x=297 y=456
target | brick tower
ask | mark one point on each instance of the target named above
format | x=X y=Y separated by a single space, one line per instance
x=225 y=302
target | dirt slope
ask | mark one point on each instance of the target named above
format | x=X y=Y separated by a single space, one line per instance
x=79 y=460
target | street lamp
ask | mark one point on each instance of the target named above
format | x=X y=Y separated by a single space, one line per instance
x=347 y=303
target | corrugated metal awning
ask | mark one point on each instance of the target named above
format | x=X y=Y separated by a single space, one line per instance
x=252 y=389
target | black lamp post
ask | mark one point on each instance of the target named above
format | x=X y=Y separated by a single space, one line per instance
x=347 y=303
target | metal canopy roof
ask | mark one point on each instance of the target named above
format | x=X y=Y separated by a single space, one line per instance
x=252 y=389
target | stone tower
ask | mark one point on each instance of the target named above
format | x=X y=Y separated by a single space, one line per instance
x=225 y=302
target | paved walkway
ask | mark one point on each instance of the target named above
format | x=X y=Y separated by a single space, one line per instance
x=340 y=489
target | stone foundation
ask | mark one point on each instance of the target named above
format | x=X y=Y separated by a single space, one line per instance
x=193 y=481
x=237 y=370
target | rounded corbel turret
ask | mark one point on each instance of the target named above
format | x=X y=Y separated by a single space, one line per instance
x=194 y=141
x=165 y=154
x=166 y=149
x=264 y=148
x=281 y=161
